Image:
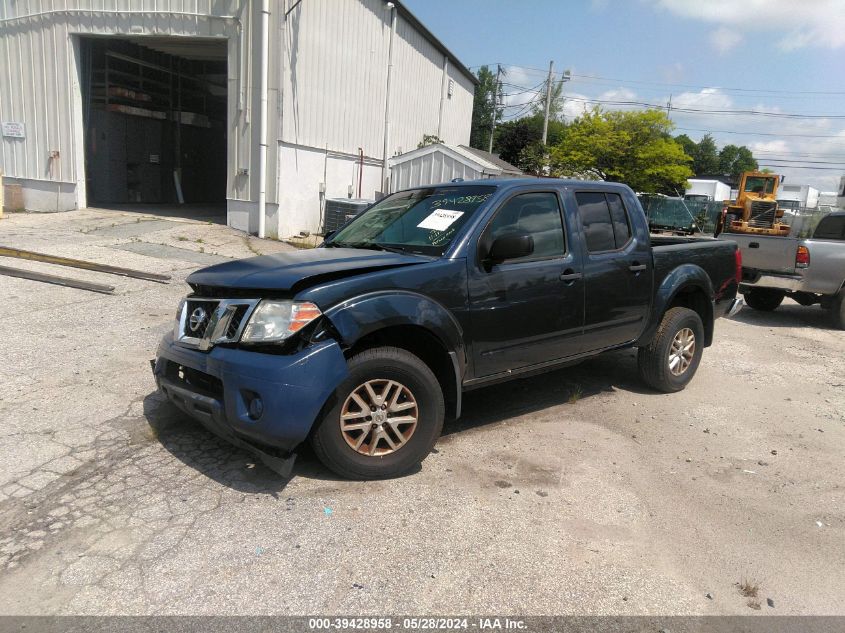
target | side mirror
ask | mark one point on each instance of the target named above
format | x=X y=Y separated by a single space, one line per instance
x=511 y=246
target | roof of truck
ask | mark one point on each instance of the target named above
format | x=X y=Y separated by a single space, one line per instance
x=506 y=183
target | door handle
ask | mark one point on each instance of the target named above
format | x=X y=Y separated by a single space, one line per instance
x=570 y=276
x=637 y=267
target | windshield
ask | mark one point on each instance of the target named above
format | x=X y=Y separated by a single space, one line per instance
x=420 y=221
x=760 y=185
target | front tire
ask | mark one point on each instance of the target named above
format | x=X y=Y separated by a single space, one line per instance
x=385 y=417
x=764 y=299
x=670 y=361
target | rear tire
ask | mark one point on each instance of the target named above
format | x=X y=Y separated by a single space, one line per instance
x=670 y=361
x=360 y=435
x=837 y=310
x=764 y=299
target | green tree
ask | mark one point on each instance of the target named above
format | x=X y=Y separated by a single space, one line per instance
x=512 y=137
x=689 y=145
x=534 y=158
x=734 y=160
x=555 y=103
x=705 y=160
x=483 y=109
x=631 y=147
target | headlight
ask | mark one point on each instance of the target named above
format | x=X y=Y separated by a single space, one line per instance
x=274 y=321
x=177 y=332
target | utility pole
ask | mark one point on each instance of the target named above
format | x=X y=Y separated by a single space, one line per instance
x=495 y=103
x=548 y=101
x=669 y=107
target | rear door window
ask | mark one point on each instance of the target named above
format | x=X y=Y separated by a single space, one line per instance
x=596 y=220
x=621 y=226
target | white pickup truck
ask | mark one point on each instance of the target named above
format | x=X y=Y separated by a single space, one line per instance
x=809 y=270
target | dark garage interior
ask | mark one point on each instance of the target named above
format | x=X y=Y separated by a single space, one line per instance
x=155 y=120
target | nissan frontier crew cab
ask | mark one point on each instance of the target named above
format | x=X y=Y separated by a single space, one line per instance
x=364 y=345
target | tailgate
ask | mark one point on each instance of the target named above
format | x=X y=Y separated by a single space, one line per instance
x=765 y=252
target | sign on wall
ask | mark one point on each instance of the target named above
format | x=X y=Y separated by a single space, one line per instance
x=14 y=129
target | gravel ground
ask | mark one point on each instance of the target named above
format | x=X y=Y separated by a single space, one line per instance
x=576 y=492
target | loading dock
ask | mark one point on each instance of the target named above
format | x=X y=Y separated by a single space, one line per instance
x=154 y=111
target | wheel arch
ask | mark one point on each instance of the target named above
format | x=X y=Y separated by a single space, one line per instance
x=687 y=286
x=409 y=321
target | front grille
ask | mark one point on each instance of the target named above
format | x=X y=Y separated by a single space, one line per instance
x=236 y=320
x=197 y=317
x=762 y=214
x=204 y=323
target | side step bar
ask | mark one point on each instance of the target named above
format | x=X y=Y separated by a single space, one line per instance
x=17 y=253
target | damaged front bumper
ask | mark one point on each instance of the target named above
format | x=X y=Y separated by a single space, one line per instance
x=263 y=403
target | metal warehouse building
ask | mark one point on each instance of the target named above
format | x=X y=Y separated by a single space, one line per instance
x=128 y=102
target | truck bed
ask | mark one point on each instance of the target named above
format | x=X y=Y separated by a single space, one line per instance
x=670 y=252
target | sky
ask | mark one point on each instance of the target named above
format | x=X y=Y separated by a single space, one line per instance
x=783 y=60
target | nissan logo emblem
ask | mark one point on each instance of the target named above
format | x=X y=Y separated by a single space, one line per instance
x=198 y=318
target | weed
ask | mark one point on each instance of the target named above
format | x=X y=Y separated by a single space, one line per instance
x=748 y=587
x=575 y=394
x=248 y=244
x=182 y=238
x=199 y=240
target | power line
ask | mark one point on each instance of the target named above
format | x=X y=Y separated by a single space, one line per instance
x=804 y=162
x=674 y=85
x=774 y=155
x=688 y=110
x=839 y=169
x=827 y=136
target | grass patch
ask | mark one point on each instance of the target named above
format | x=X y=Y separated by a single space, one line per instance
x=181 y=238
x=575 y=394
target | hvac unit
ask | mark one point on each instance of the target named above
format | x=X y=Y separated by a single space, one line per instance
x=340 y=210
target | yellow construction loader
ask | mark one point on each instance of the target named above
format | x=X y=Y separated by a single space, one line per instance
x=755 y=209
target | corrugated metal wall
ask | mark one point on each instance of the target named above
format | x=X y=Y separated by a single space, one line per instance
x=329 y=72
x=335 y=80
x=40 y=86
x=430 y=168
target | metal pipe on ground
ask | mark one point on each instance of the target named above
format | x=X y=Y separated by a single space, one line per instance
x=57 y=280
x=6 y=251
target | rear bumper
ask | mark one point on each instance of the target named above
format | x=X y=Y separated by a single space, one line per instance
x=790 y=283
x=216 y=388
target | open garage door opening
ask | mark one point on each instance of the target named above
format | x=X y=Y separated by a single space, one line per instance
x=155 y=114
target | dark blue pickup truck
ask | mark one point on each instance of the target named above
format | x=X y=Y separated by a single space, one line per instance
x=365 y=345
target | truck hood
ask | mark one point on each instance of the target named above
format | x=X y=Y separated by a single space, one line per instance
x=300 y=269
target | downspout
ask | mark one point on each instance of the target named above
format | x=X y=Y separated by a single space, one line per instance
x=443 y=88
x=262 y=118
x=360 y=169
x=384 y=178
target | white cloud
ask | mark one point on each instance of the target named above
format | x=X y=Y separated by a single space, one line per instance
x=797 y=24
x=618 y=94
x=724 y=39
x=780 y=146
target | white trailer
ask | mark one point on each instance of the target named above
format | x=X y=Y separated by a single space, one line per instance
x=806 y=196
x=707 y=190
